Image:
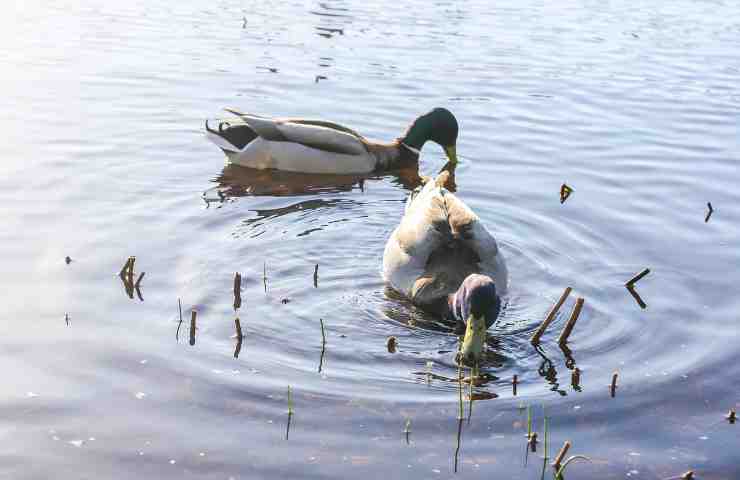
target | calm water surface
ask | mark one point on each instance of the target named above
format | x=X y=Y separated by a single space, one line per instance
x=636 y=105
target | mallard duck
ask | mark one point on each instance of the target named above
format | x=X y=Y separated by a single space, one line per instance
x=317 y=146
x=444 y=260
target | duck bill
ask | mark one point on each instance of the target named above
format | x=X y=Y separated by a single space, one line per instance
x=451 y=152
x=475 y=339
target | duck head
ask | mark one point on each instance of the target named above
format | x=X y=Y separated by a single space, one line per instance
x=478 y=303
x=439 y=126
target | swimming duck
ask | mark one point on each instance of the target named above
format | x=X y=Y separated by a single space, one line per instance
x=444 y=260
x=317 y=146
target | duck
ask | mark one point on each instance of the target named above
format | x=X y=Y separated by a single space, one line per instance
x=443 y=259
x=323 y=147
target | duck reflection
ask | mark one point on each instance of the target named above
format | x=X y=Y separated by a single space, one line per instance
x=236 y=181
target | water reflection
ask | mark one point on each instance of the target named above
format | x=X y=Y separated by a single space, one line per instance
x=570 y=362
x=548 y=371
x=332 y=19
x=236 y=181
x=263 y=216
x=127 y=278
x=636 y=296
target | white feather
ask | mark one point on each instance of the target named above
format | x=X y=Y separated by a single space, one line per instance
x=412 y=242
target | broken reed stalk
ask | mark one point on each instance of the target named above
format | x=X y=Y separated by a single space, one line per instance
x=264 y=275
x=613 y=386
x=565 y=192
x=193 y=315
x=130 y=273
x=316 y=276
x=568 y=329
x=237 y=290
x=238 y=324
x=637 y=277
x=709 y=213
x=126 y=266
x=290 y=401
x=561 y=455
x=514 y=383
x=323 y=333
x=535 y=340
x=575 y=378
x=138 y=280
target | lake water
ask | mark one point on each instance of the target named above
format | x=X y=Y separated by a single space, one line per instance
x=635 y=105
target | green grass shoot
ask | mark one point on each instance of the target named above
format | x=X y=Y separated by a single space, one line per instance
x=561 y=470
x=290 y=401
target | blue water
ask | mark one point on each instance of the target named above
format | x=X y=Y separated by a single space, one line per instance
x=635 y=105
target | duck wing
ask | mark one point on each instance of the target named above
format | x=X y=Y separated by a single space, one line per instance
x=439 y=242
x=318 y=134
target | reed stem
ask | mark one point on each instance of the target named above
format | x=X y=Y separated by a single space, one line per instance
x=568 y=329
x=637 y=277
x=238 y=328
x=193 y=315
x=561 y=455
x=535 y=340
x=613 y=386
x=290 y=401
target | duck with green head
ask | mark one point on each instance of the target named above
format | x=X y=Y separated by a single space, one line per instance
x=443 y=259
x=318 y=146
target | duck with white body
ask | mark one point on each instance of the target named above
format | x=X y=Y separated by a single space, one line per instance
x=443 y=259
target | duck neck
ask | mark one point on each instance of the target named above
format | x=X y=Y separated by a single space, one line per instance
x=417 y=134
x=393 y=155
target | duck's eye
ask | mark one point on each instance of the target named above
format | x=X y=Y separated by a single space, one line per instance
x=441 y=227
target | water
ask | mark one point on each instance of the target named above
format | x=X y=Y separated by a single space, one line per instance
x=635 y=106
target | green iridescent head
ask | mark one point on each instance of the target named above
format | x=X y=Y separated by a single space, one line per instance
x=439 y=126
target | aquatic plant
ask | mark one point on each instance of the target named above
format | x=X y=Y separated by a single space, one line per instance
x=561 y=470
x=535 y=339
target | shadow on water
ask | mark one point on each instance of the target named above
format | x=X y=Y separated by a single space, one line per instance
x=236 y=181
